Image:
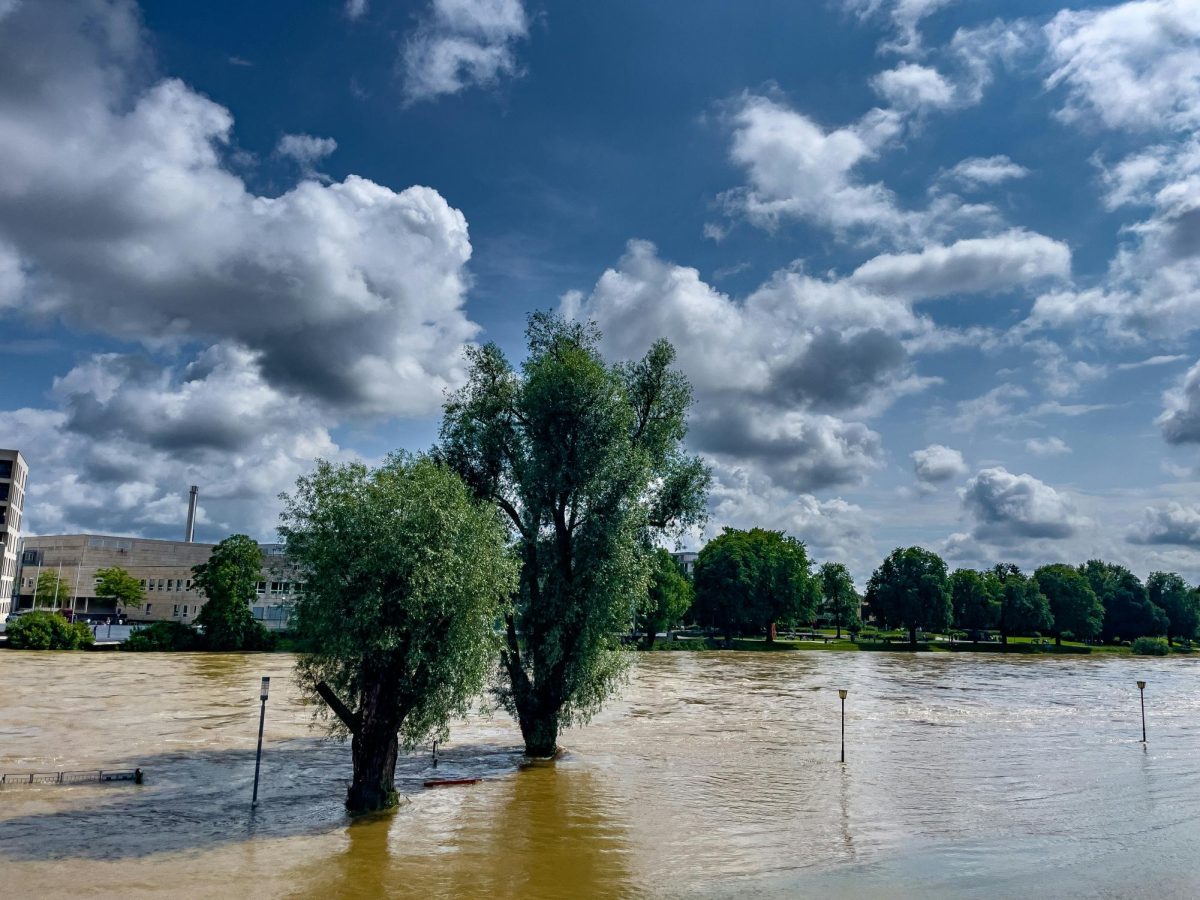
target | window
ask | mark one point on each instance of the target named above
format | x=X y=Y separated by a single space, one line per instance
x=262 y=587
x=276 y=587
x=185 y=612
x=143 y=583
x=170 y=584
x=5 y=468
x=3 y=515
x=160 y=584
x=257 y=612
x=176 y=612
x=189 y=584
x=178 y=585
x=147 y=609
x=4 y=486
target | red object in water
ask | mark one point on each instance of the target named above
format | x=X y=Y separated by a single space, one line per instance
x=447 y=782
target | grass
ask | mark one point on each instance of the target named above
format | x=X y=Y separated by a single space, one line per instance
x=1022 y=645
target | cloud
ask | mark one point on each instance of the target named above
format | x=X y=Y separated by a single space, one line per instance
x=938 y=463
x=126 y=438
x=306 y=151
x=461 y=44
x=115 y=201
x=1180 y=419
x=1135 y=66
x=904 y=16
x=1008 y=507
x=973 y=265
x=1159 y=360
x=914 y=87
x=355 y=9
x=986 y=171
x=1172 y=523
x=1051 y=446
x=990 y=408
x=778 y=374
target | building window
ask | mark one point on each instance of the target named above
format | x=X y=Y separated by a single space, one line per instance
x=185 y=612
x=176 y=612
x=257 y=612
x=5 y=468
x=262 y=587
x=189 y=584
x=170 y=584
x=143 y=583
x=4 y=490
x=147 y=609
x=178 y=585
x=160 y=584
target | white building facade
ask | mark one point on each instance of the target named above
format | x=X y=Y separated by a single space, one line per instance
x=13 y=475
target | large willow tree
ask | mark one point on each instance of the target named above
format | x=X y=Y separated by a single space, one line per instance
x=585 y=462
x=407 y=575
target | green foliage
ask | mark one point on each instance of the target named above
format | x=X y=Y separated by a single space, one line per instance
x=910 y=588
x=229 y=580
x=1074 y=606
x=974 y=598
x=668 y=598
x=586 y=462
x=51 y=591
x=1128 y=612
x=749 y=580
x=1151 y=646
x=47 y=630
x=117 y=585
x=1180 y=603
x=162 y=636
x=841 y=599
x=1023 y=608
x=407 y=575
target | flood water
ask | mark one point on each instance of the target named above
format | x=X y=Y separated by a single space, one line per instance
x=715 y=775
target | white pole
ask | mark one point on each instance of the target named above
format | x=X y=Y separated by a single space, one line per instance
x=36 y=579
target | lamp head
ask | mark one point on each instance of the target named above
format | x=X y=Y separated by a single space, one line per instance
x=842 y=693
x=266 y=685
x=1141 y=685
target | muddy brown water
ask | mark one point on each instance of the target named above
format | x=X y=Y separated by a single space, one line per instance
x=714 y=775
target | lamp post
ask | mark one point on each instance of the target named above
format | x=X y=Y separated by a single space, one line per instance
x=842 y=694
x=262 y=717
x=1142 y=691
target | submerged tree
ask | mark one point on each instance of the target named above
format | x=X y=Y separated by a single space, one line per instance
x=229 y=579
x=668 y=598
x=753 y=580
x=585 y=461
x=910 y=589
x=1073 y=604
x=407 y=575
x=841 y=599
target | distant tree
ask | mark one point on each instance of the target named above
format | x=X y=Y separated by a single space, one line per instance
x=1128 y=612
x=910 y=589
x=51 y=591
x=47 y=630
x=841 y=599
x=229 y=579
x=974 y=598
x=1023 y=608
x=1073 y=604
x=668 y=598
x=407 y=574
x=1171 y=594
x=586 y=462
x=118 y=586
x=754 y=579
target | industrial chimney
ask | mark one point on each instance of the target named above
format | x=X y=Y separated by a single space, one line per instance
x=191 y=525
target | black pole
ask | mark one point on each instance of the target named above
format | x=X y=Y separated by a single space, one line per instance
x=843 y=729
x=262 y=717
x=1142 y=691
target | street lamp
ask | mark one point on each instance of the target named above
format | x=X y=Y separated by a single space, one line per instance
x=262 y=717
x=1142 y=691
x=842 y=694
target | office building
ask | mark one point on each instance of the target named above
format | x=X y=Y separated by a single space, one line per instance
x=13 y=475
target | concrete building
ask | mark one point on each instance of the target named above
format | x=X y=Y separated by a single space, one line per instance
x=13 y=475
x=687 y=561
x=163 y=567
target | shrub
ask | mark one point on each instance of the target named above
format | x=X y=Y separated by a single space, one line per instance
x=163 y=636
x=1151 y=646
x=45 y=630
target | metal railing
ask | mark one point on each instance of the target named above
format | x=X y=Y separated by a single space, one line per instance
x=86 y=776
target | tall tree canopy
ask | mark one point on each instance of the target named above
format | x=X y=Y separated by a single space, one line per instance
x=117 y=585
x=910 y=589
x=1171 y=594
x=51 y=591
x=1073 y=604
x=751 y=580
x=1023 y=608
x=407 y=574
x=1128 y=612
x=586 y=462
x=841 y=599
x=229 y=579
x=669 y=596
x=975 y=600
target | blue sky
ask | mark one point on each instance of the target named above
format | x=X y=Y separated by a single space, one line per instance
x=932 y=266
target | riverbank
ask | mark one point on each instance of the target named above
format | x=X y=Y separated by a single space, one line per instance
x=1017 y=645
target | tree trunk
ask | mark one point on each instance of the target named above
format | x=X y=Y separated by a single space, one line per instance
x=374 y=752
x=651 y=634
x=1004 y=638
x=912 y=636
x=1058 y=639
x=770 y=632
x=540 y=731
x=839 y=627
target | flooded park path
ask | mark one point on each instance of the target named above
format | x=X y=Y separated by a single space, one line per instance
x=715 y=775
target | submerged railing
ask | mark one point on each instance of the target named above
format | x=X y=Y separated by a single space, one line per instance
x=85 y=776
